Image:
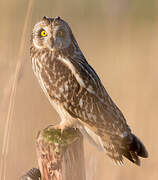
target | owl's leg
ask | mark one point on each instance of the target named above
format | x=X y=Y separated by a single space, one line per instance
x=57 y=127
x=52 y=126
x=62 y=127
x=64 y=124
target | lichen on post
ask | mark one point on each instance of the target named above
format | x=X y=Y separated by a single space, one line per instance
x=60 y=154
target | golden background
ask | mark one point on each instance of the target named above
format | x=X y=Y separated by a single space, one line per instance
x=119 y=38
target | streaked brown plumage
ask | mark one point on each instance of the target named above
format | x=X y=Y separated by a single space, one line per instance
x=76 y=92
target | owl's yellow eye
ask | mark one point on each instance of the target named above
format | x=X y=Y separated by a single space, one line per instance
x=43 y=33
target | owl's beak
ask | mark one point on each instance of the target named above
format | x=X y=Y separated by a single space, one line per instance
x=51 y=44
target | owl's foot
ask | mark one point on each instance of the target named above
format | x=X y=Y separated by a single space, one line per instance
x=61 y=127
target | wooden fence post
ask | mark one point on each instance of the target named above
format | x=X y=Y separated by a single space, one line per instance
x=61 y=155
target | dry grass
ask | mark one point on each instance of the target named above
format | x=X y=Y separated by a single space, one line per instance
x=124 y=55
x=11 y=95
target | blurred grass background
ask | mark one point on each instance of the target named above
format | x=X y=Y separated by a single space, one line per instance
x=120 y=40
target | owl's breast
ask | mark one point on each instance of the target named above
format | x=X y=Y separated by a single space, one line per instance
x=55 y=79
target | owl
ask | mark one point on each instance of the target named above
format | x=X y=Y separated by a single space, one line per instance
x=75 y=91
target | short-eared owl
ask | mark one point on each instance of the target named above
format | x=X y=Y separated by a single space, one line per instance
x=76 y=92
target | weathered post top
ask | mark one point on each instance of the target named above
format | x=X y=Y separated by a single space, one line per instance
x=60 y=154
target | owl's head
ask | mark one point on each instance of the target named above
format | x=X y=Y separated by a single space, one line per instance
x=52 y=34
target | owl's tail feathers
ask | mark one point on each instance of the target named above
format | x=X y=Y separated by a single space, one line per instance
x=129 y=146
x=133 y=149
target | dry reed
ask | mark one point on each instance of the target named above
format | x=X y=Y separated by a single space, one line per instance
x=12 y=95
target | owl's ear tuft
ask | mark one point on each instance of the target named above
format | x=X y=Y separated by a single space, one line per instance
x=57 y=18
x=45 y=18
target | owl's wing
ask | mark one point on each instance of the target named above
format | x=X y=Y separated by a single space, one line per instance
x=90 y=103
x=94 y=100
x=81 y=93
x=94 y=108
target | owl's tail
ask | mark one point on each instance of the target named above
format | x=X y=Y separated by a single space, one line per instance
x=133 y=149
x=129 y=146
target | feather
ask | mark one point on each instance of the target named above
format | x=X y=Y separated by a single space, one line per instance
x=92 y=137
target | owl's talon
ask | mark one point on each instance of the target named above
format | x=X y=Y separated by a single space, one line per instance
x=57 y=127
x=48 y=127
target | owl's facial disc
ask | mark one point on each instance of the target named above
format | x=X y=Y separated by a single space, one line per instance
x=52 y=33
